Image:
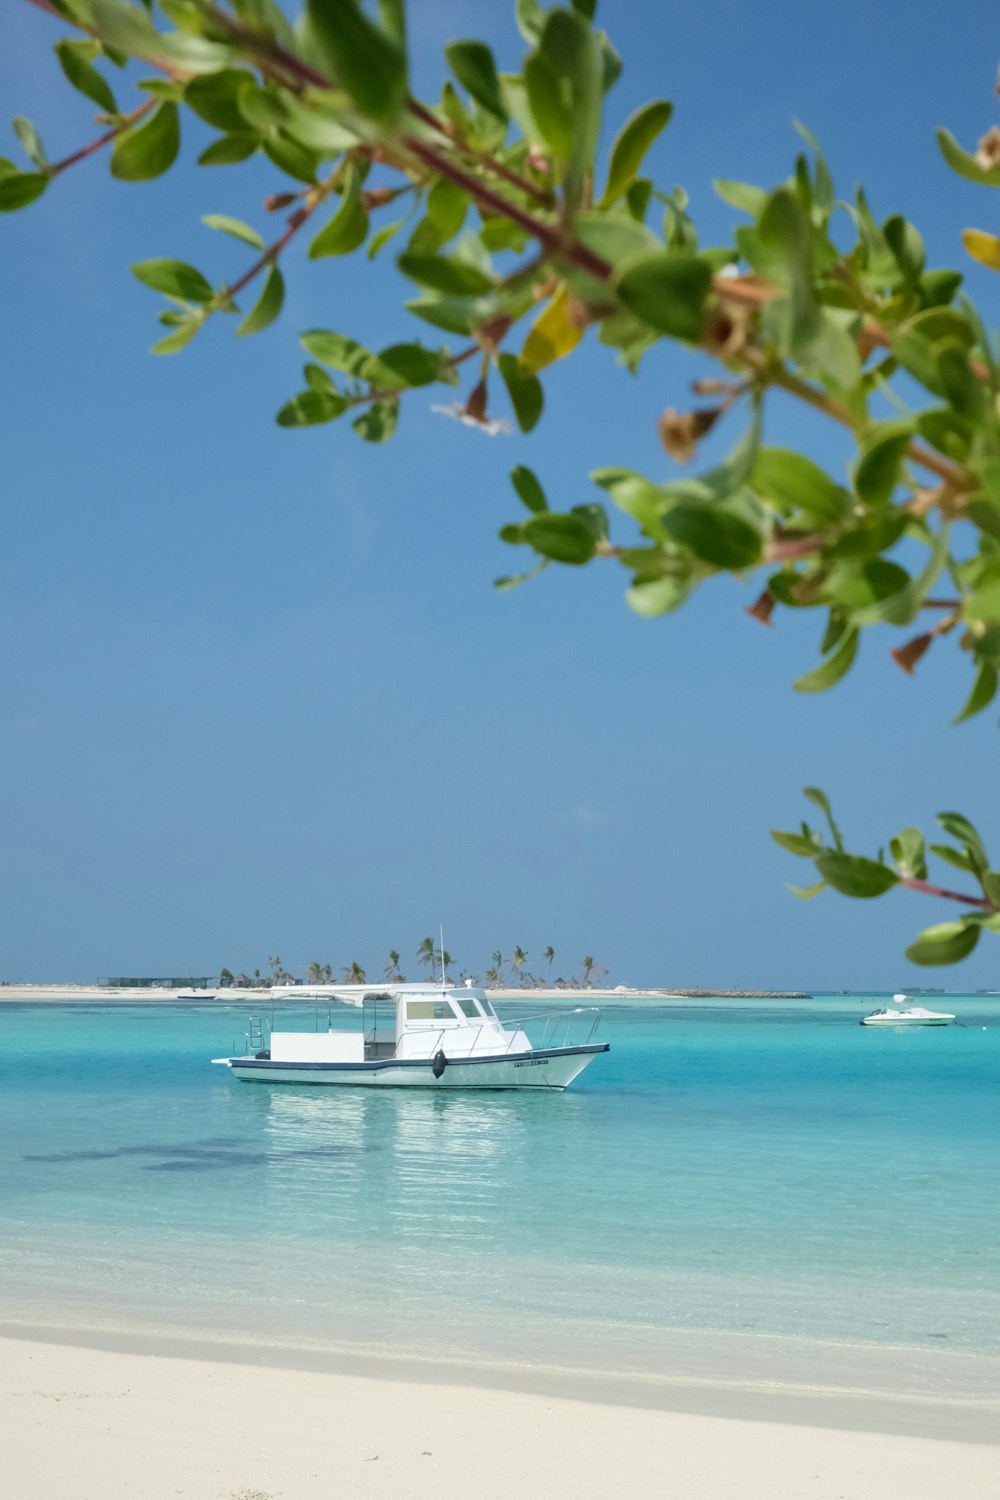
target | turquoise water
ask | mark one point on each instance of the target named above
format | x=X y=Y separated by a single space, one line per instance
x=736 y=1188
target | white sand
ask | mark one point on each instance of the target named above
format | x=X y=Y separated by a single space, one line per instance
x=92 y=1424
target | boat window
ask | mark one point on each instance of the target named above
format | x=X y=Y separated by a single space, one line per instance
x=429 y=1010
x=488 y=1008
x=470 y=1008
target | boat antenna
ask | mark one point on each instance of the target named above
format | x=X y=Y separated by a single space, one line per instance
x=443 y=974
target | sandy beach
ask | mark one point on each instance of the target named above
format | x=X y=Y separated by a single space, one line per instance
x=88 y=1423
x=44 y=993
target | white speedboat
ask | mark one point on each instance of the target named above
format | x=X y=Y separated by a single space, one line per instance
x=902 y=1012
x=417 y=1036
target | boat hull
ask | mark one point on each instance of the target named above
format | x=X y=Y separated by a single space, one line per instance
x=907 y=1020
x=547 y=1068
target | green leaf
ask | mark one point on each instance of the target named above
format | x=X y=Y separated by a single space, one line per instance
x=741 y=195
x=983 y=692
x=267 y=306
x=74 y=59
x=991 y=885
x=784 y=230
x=551 y=104
x=378 y=423
x=807 y=892
x=310 y=408
x=631 y=144
x=18 y=189
x=349 y=225
x=563 y=538
x=910 y=854
x=446 y=274
x=214 y=97
x=956 y=857
x=650 y=597
x=961 y=829
x=515 y=581
x=402 y=366
x=947 y=943
x=906 y=245
x=877 y=473
x=830 y=672
x=595 y=516
x=174 y=278
x=614 y=236
x=228 y=150
x=335 y=350
x=178 y=340
x=819 y=799
x=668 y=292
x=382 y=238
x=853 y=875
x=717 y=536
x=574 y=51
x=31 y=141
x=524 y=389
x=530 y=19
x=472 y=64
x=447 y=206
x=796 y=843
x=860 y=585
x=148 y=150
x=964 y=164
x=368 y=63
x=234 y=227
x=959 y=385
x=290 y=156
x=529 y=490
x=452 y=314
x=796 y=483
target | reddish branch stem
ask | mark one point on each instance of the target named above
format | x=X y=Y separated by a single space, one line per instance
x=927 y=889
x=123 y=125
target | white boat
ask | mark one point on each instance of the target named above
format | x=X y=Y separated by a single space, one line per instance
x=417 y=1036
x=903 y=1012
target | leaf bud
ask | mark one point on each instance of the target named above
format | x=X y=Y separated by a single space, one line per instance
x=907 y=656
x=988 y=150
x=681 y=431
x=763 y=608
x=278 y=201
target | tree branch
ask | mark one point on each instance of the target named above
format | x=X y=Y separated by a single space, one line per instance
x=926 y=889
x=124 y=124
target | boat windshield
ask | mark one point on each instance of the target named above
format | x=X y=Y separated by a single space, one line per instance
x=429 y=1010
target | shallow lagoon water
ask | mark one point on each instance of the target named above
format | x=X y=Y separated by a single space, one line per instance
x=739 y=1189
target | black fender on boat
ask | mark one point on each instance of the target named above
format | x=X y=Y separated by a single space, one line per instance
x=439 y=1064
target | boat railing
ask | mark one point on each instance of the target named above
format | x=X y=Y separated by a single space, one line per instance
x=558 y=1026
x=557 y=1030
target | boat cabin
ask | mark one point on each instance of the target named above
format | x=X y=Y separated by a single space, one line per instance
x=400 y=1021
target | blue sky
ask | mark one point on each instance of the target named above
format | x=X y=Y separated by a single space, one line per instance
x=259 y=693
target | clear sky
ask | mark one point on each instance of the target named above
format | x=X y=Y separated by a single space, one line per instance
x=259 y=693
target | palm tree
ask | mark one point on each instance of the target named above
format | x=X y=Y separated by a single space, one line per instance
x=496 y=959
x=493 y=974
x=354 y=974
x=275 y=961
x=327 y=974
x=390 y=969
x=588 y=968
x=314 y=973
x=518 y=959
x=549 y=956
x=427 y=953
x=444 y=960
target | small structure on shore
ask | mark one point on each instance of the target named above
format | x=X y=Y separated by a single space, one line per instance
x=198 y=982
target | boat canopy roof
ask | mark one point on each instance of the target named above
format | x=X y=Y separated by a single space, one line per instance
x=357 y=994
